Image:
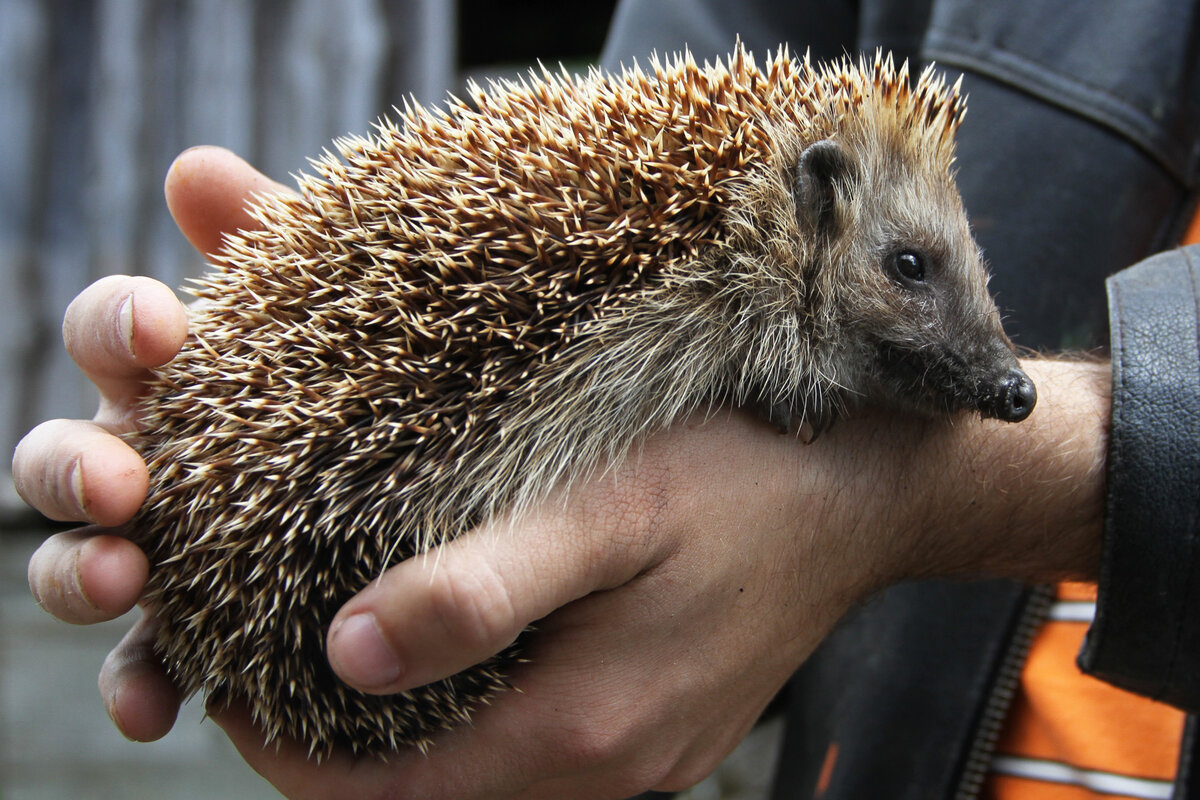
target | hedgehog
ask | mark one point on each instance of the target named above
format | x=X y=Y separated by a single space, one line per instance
x=481 y=302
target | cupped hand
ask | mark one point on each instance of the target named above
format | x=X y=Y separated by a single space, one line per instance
x=676 y=594
x=76 y=470
x=673 y=596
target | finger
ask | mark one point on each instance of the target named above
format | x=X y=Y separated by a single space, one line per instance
x=116 y=329
x=140 y=698
x=71 y=470
x=85 y=576
x=209 y=190
x=435 y=615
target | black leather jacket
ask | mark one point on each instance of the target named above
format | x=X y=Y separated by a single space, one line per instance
x=1078 y=158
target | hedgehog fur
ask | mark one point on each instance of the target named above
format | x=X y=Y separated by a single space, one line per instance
x=479 y=303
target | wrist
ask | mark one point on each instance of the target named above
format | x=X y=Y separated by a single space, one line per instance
x=979 y=498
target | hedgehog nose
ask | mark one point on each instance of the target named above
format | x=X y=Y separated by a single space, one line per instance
x=1016 y=398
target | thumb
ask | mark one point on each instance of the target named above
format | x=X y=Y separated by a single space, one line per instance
x=440 y=613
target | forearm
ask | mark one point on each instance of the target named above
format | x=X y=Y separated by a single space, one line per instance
x=980 y=498
x=1032 y=494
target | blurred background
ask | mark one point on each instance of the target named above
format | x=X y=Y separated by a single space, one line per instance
x=98 y=97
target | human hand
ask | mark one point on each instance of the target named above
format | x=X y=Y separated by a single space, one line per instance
x=75 y=470
x=671 y=610
x=679 y=592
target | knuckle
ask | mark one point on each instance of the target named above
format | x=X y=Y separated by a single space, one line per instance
x=119 y=415
x=681 y=778
x=621 y=751
x=595 y=744
x=637 y=747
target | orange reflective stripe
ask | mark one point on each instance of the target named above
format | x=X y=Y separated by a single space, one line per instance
x=1192 y=236
x=1074 y=591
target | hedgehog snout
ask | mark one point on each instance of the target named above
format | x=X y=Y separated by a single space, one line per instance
x=1014 y=399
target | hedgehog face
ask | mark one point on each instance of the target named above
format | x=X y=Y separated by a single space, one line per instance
x=909 y=283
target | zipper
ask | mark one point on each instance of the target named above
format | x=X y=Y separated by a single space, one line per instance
x=1187 y=758
x=1004 y=688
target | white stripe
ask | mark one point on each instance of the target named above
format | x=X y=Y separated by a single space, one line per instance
x=1103 y=782
x=1073 y=611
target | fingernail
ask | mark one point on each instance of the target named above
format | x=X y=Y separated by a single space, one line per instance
x=111 y=705
x=125 y=322
x=76 y=483
x=77 y=580
x=360 y=654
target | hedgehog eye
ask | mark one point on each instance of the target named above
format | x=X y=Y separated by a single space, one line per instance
x=908 y=266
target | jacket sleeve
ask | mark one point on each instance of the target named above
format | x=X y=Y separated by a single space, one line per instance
x=1146 y=634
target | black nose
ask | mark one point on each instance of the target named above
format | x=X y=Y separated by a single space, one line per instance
x=1016 y=398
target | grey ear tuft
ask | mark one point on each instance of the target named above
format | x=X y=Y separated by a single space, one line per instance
x=821 y=167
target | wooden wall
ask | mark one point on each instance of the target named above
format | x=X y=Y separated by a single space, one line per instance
x=98 y=96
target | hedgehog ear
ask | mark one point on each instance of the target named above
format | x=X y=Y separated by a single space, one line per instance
x=820 y=168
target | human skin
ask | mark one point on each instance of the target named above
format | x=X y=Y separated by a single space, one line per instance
x=674 y=595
